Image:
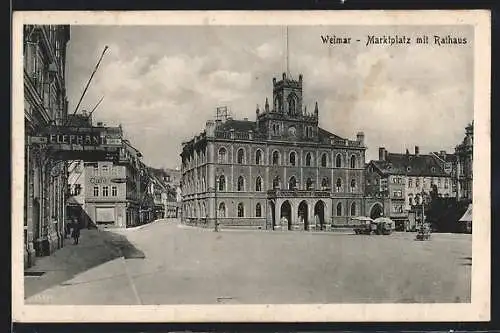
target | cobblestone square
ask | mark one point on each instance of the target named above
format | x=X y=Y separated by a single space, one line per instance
x=186 y=265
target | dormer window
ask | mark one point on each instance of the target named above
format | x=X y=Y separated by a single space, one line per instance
x=408 y=169
x=433 y=169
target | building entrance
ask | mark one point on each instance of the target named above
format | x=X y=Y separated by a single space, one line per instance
x=376 y=211
x=303 y=214
x=319 y=214
x=286 y=212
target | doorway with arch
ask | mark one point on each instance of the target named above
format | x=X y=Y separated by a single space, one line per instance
x=303 y=214
x=376 y=211
x=319 y=214
x=286 y=212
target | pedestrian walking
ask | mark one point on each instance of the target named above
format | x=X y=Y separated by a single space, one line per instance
x=76 y=232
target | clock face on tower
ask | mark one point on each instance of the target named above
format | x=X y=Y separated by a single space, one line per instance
x=292 y=130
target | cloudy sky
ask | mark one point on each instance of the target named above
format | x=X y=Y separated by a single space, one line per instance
x=163 y=83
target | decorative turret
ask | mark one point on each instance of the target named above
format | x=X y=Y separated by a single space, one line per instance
x=316 y=111
x=257 y=110
x=360 y=137
x=267 y=105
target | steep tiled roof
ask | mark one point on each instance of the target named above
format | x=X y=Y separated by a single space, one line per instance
x=411 y=165
x=237 y=125
x=446 y=157
x=324 y=133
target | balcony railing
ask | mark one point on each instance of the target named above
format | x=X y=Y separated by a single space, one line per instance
x=278 y=193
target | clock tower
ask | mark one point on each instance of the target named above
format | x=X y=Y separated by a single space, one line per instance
x=288 y=119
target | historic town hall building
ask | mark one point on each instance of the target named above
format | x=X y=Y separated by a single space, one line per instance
x=280 y=171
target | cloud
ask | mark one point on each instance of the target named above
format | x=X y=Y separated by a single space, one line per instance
x=163 y=84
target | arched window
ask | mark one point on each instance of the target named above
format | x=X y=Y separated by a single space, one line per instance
x=258 y=184
x=222 y=183
x=338 y=161
x=323 y=160
x=258 y=210
x=241 y=210
x=222 y=155
x=410 y=199
x=353 y=185
x=324 y=183
x=258 y=157
x=309 y=184
x=353 y=161
x=292 y=183
x=291 y=104
x=241 y=156
x=338 y=184
x=339 y=209
x=241 y=183
x=222 y=209
x=276 y=157
x=292 y=158
x=276 y=182
x=308 y=159
x=353 y=209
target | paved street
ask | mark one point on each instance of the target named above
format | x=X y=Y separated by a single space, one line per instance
x=185 y=265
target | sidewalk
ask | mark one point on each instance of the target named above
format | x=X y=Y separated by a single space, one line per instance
x=95 y=247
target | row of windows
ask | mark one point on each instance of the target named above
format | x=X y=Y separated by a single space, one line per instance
x=104 y=191
x=292 y=184
x=292 y=158
x=397 y=209
x=240 y=209
x=439 y=183
x=197 y=158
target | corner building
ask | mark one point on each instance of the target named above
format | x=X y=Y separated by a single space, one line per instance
x=281 y=171
x=45 y=105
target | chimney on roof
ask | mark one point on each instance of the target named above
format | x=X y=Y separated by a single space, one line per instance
x=284 y=76
x=361 y=138
x=245 y=119
x=417 y=150
x=381 y=154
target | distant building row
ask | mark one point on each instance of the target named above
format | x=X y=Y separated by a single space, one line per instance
x=122 y=193
x=405 y=180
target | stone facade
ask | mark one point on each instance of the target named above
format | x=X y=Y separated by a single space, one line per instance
x=280 y=166
x=464 y=153
x=45 y=104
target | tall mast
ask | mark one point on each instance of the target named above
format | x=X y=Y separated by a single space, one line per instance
x=287 y=54
x=88 y=83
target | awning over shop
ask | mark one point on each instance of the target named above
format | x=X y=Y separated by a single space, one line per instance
x=467 y=216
